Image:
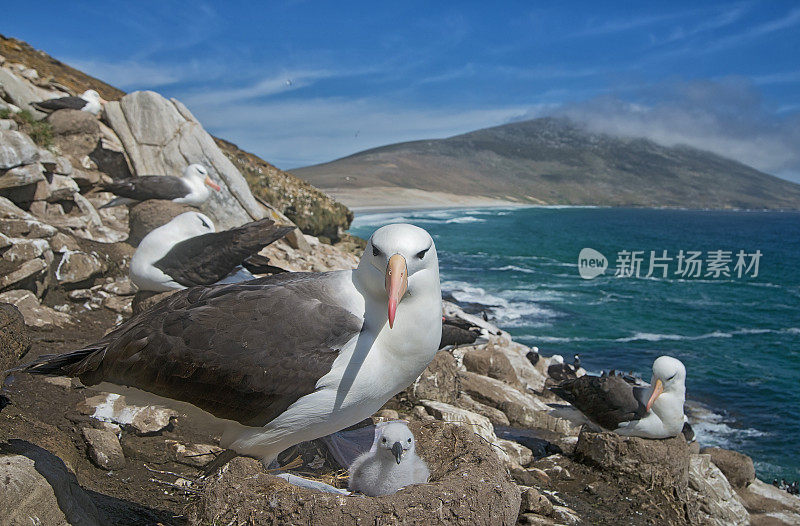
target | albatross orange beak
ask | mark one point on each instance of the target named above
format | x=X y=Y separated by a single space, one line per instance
x=212 y=184
x=396 y=283
x=659 y=388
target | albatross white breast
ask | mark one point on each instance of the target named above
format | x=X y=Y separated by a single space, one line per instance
x=285 y=358
x=187 y=252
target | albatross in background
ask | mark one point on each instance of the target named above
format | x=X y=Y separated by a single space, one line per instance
x=187 y=252
x=89 y=101
x=622 y=406
x=191 y=189
x=285 y=358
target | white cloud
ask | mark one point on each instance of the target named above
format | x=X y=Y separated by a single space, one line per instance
x=130 y=74
x=725 y=117
x=269 y=86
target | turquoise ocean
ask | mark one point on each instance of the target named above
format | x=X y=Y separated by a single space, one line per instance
x=738 y=335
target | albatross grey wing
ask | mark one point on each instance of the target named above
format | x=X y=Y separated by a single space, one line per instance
x=607 y=401
x=243 y=352
x=63 y=103
x=208 y=258
x=146 y=187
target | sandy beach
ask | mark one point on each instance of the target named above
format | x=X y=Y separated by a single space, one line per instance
x=387 y=198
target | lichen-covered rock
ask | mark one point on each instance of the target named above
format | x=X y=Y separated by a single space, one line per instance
x=468 y=486
x=74 y=122
x=16 y=149
x=14 y=338
x=737 y=467
x=148 y=215
x=717 y=502
x=161 y=136
x=26 y=275
x=486 y=360
x=20 y=176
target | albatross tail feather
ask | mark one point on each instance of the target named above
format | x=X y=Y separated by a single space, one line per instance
x=68 y=364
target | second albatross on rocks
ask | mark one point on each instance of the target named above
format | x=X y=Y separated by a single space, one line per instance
x=286 y=358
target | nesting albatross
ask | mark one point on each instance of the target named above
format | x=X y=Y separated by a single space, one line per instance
x=285 y=358
x=187 y=252
x=89 y=101
x=191 y=189
x=654 y=411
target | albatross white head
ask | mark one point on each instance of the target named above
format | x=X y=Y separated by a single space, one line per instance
x=196 y=176
x=669 y=393
x=400 y=269
x=95 y=101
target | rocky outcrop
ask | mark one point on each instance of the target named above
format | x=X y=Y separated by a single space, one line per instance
x=14 y=338
x=660 y=462
x=34 y=313
x=717 y=502
x=104 y=448
x=468 y=486
x=37 y=488
x=738 y=468
x=161 y=136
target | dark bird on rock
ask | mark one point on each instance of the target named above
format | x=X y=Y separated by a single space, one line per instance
x=89 y=101
x=191 y=189
x=187 y=252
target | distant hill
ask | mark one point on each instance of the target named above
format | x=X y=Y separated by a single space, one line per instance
x=555 y=161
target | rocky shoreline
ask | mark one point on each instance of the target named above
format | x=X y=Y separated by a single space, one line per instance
x=486 y=424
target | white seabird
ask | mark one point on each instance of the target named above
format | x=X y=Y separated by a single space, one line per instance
x=654 y=411
x=285 y=358
x=191 y=189
x=187 y=252
x=391 y=464
x=89 y=100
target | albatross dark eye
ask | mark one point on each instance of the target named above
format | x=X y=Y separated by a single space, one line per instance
x=421 y=253
x=375 y=251
x=205 y=225
x=409 y=440
x=383 y=440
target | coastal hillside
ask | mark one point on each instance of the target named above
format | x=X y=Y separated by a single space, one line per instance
x=556 y=162
x=313 y=211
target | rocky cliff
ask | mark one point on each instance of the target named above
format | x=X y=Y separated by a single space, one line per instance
x=498 y=451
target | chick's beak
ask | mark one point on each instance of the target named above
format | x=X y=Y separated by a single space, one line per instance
x=396 y=283
x=397 y=450
x=212 y=184
x=657 y=390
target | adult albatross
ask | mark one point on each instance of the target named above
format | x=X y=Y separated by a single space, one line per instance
x=285 y=358
x=187 y=251
x=191 y=189
x=89 y=101
x=611 y=401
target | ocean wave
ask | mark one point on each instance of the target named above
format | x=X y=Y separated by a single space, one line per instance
x=654 y=337
x=715 y=429
x=513 y=268
x=507 y=312
x=465 y=219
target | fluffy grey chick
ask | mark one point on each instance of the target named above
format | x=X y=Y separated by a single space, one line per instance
x=391 y=464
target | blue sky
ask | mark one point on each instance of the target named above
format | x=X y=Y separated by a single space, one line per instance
x=305 y=82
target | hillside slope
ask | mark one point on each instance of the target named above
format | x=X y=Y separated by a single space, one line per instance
x=554 y=161
x=313 y=211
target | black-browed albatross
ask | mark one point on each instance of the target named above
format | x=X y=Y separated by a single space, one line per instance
x=89 y=101
x=654 y=411
x=285 y=358
x=187 y=252
x=191 y=189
